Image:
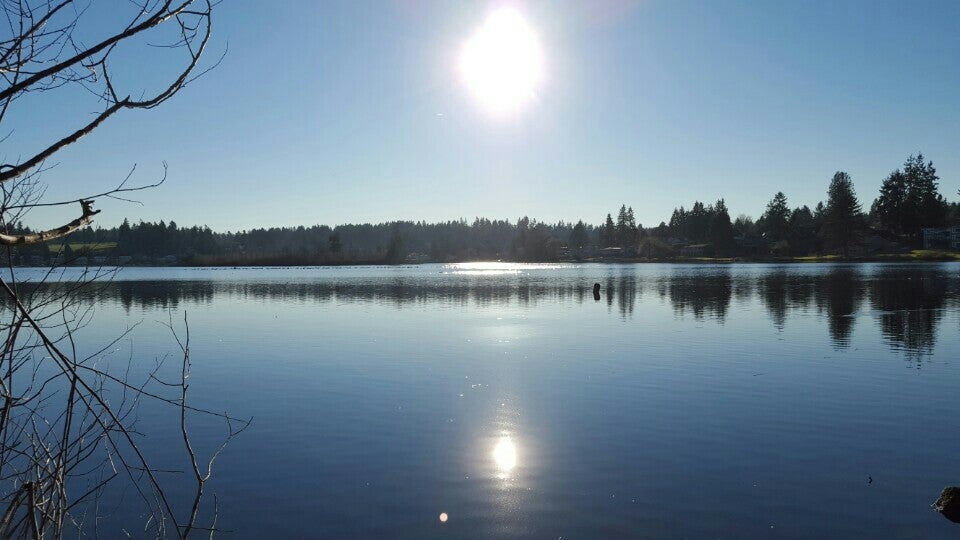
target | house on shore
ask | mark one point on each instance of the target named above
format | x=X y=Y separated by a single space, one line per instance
x=696 y=250
x=942 y=238
x=612 y=253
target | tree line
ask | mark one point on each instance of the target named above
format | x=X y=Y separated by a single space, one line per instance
x=908 y=201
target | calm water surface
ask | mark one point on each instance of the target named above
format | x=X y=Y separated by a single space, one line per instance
x=773 y=401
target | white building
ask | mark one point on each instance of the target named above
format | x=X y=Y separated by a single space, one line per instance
x=946 y=238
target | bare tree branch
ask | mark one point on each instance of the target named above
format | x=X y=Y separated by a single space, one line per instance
x=68 y=423
x=45 y=236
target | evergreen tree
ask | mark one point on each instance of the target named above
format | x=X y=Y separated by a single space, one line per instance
x=623 y=228
x=678 y=223
x=888 y=210
x=633 y=229
x=395 y=249
x=608 y=235
x=335 y=245
x=802 y=234
x=909 y=200
x=775 y=220
x=698 y=222
x=721 y=230
x=171 y=244
x=579 y=239
x=925 y=206
x=953 y=213
x=820 y=211
x=521 y=240
x=843 y=220
x=123 y=238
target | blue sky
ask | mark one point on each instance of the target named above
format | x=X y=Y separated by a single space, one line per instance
x=333 y=112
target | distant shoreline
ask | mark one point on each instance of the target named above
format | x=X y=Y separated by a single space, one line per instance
x=913 y=256
x=916 y=256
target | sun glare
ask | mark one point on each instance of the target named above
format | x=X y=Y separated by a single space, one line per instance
x=502 y=62
x=505 y=455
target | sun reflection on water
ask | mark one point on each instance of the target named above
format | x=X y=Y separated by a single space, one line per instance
x=505 y=455
x=496 y=268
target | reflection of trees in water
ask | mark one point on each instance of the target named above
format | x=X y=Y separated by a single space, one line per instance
x=772 y=290
x=743 y=289
x=801 y=292
x=838 y=295
x=835 y=294
x=909 y=301
x=702 y=295
x=158 y=294
x=399 y=292
x=626 y=290
x=910 y=306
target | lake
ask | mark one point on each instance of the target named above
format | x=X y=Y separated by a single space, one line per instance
x=688 y=401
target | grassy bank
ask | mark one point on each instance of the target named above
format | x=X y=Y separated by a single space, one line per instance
x=912 y=256
x=78 y=247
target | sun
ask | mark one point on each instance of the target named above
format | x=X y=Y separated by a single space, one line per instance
x=501 y=64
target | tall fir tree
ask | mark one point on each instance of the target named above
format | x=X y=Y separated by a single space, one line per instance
x=396 y=252
x=888 y=210
x=910 y=200
x=678 y=223
x=843 y=220
x=698 y=222
x=623 y=227
x=925 y=205
x=802 y=234
x=608 y=235
x=721 y=230
x=775 y=220
x=579 y=239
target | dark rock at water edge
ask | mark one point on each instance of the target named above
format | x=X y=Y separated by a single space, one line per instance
x=949 y=503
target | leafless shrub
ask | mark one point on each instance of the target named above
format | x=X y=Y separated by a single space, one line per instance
x=68 y=422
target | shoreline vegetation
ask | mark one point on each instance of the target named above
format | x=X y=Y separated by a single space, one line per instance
x=101 y=256
x=914 y=256
x=919 y=255
x=930 y=256
x=908 y=221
